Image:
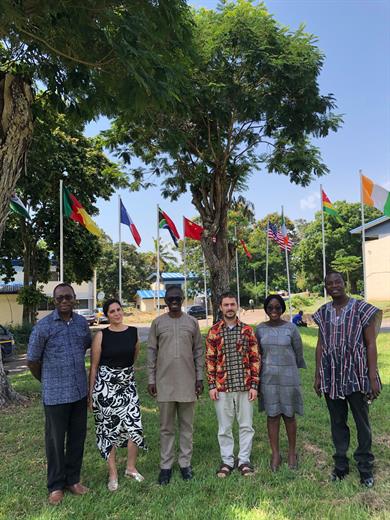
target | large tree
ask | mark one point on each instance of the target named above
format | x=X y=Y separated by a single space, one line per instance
x=253 y=99
x=92 y=57
x=339 y=243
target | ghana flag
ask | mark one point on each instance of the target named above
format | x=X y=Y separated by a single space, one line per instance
x=75 y=211
x=328 y=207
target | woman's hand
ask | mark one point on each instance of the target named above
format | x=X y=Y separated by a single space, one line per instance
x=89 y=402
x=152 y=389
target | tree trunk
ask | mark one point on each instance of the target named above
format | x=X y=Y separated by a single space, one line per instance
x=15 y=136
x=7 y=394
x=218 y=256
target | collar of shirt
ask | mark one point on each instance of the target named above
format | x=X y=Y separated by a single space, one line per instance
x=56 y=316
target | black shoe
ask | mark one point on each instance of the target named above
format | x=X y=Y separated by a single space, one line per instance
x=164 y=477
x=338 y=474
x=367 y=480
x=187 y=473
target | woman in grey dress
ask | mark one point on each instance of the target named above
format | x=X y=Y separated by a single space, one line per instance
x=280 y=393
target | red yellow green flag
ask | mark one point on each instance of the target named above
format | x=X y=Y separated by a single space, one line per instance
x=75 y=211
x=328 y=207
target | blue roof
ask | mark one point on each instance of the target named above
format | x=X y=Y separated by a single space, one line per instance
x=164 y=277
x=149 y=294
x=10 y=287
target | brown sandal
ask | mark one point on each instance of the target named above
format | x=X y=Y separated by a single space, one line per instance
x=245 y=469
x=224 y=470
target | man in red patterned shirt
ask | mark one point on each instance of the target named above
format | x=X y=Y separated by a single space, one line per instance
x=232 y=366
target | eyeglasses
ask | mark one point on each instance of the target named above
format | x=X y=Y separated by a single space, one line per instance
x=66 y=297
x=172 y=299
x=276 y=308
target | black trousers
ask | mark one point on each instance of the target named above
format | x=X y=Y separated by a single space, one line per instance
x=65 y=420
x=338 y=411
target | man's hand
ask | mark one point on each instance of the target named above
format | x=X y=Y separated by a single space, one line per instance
x=252 y=394
x=152 y=389
x=317 y=385
x=213 y=394
x=375 y=388
x=199 y=388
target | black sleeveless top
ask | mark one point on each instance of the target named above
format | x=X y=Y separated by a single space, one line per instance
x=118 y=348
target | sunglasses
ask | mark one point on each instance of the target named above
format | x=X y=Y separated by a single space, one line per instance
x=172 y=299
x=276 y=308
x=66 y=297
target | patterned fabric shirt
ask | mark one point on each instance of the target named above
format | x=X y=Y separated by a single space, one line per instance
x=343 y=366
x=60 y=348
x=232 y=358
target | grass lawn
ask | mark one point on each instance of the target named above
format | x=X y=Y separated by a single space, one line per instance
x=305 y=494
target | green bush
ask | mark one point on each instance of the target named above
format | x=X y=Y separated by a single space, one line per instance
x=21 y=334
x=299 y=302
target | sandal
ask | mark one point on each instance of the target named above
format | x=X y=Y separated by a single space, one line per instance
x=134 y=475
x=294 y=466
x=224 y=470
x=275 y=467
x=246 y=469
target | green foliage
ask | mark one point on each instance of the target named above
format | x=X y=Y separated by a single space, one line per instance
x=346 y=265
x=338 y=240
x=100 y=56
x=136 y=268
x=21 y=334
x=59 y=146
x=299 y=302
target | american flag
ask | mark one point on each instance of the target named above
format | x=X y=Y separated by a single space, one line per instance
x=275 y=234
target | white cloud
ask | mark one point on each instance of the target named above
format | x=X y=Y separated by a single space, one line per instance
x=311 y=201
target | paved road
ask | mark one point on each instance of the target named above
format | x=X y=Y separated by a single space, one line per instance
x=19 y=363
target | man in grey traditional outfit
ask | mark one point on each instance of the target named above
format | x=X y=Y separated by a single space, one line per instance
x=175 y=372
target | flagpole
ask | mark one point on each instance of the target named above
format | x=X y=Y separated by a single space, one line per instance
x=237 y=274
x=323 y=241
x=158 y=260
x=205 y=290
x=120 y=249
x=185 y=267
x=288 y=275
x=363 y=236
x=61 y=232
x=266 y=262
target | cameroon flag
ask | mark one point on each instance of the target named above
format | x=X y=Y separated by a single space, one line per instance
x=75 y=211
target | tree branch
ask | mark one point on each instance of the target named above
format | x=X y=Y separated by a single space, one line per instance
x=97 y=65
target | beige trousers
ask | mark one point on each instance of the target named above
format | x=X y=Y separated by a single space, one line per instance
x=185 y=416
x=232 y=405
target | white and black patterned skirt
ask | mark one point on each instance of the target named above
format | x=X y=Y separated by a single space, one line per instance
x=116 y=409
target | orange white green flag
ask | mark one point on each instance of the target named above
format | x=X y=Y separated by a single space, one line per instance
x=327 y=207
x=375 y=195
x=75 y=211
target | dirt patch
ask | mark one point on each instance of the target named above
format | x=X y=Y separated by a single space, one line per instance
x=316 y=452
x=382 y=440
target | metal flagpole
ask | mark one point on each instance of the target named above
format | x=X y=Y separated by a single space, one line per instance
x=205 y=291
x=266 y=262
x=120 y=249
x=323 y=242
x=61 y=232
x=288 y=274
x=237 y=275
x=363 y=236
x=185 y=266
x=158 y=260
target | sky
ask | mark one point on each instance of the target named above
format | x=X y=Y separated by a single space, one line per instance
x=354 y=35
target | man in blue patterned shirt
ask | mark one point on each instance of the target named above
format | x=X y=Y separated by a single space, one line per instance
x=56 y=357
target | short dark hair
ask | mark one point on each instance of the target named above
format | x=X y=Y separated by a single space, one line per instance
x=107 y=303
x=275 y=297
x=63 y=284
x=173 y=287
x=334 y=272
x=227 y=294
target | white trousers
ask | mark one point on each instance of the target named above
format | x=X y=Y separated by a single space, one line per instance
x=228 y=406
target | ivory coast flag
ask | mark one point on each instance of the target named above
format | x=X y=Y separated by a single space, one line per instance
x=376 y=196
x=75 y=211
x=328 y=207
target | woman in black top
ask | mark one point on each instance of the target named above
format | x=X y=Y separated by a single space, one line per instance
x=113 y=394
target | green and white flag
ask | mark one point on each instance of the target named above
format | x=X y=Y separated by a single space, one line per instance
x=18 y=207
